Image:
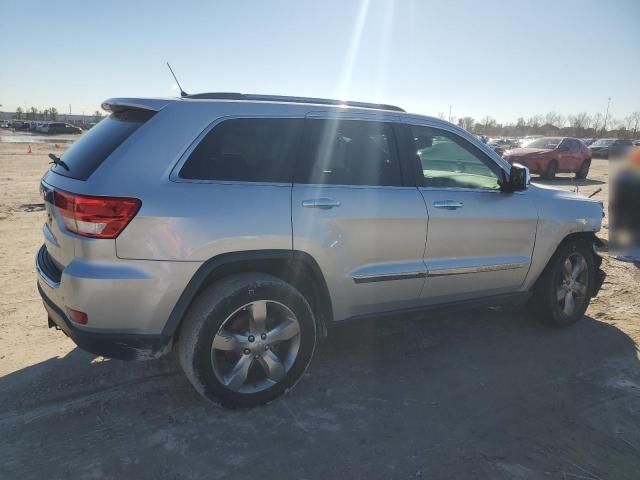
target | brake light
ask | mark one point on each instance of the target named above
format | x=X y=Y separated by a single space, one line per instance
x=95 y=217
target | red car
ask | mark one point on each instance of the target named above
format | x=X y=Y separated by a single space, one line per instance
x=550 y=155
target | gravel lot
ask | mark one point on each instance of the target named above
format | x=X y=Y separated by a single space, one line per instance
x=479 y=394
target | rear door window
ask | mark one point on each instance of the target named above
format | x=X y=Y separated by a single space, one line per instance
x=88 y=153
x=349 y=152
x=246 y=150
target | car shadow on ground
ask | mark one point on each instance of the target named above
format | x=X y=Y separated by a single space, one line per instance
x=486 y=393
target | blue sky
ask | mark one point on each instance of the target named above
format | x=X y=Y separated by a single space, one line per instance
x=505 y=59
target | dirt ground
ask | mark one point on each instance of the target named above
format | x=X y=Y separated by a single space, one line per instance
x=480 y=394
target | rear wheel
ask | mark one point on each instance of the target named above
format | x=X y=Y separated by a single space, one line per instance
x=584 y=169
x=551 y=170
x=562 y=293
x=246 y=340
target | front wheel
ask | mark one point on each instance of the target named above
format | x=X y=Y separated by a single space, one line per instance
x=563 y=292
x=551 y=170
x=584 y=169
x=246 y=340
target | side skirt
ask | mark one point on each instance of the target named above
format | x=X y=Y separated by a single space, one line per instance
x=516 y=298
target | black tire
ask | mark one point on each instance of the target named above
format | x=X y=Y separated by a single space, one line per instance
x=584 y=169
x=204 y=320
x=545 y=305
x=552 y=169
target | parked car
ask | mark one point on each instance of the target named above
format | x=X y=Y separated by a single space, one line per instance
x=527 y=140
x=210 y=227
x=58 y=127
x=547 y=156
x=610 y=147
x=39 y=126
x=20 y=125
x=4 y=124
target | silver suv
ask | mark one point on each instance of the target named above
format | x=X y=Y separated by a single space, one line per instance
x=237 y=229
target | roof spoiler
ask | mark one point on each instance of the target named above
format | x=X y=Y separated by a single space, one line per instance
x=118 y=104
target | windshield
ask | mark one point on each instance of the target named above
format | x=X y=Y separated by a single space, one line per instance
x=546 y=142
x=603 y=142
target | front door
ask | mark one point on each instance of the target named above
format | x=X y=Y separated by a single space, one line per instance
x=479 y=240
x=352 y=211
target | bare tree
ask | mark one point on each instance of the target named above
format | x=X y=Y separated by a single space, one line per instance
x=579 y=121
x=53 y=113
x=598 y=121
x=19 y=113
x=534 y=121
x=634 y=121
x=551 y=118
x=467 y=123
x=441 y=115
x=32 y=113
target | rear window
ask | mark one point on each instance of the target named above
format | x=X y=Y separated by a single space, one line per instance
x=349 y=152
x=86 y=155
x=246 y=150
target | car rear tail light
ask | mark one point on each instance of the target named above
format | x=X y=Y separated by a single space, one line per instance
x=77 y=316
x=95 y=217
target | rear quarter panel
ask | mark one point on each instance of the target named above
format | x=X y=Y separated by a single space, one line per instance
x=193 y=220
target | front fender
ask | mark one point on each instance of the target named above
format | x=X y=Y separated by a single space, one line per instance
x=561 y=214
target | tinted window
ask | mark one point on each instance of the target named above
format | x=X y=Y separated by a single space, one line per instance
x=85 y=155
x=349 y=152
x=449 y=161
x=246 y=150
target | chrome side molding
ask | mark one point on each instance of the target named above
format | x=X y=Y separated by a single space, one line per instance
x=475 y=269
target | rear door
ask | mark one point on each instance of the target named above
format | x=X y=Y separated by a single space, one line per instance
x=356 y=215
x=480 y=240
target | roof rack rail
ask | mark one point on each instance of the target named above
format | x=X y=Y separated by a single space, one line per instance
x=280 y=98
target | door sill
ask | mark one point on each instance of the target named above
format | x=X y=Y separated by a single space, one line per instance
x=516 y=298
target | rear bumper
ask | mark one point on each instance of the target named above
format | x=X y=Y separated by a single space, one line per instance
x=132 y=297
x=121 y=346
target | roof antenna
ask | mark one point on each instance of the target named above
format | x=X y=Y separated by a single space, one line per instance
x=182 y=92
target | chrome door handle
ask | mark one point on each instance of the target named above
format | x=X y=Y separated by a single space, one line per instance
x=323 y=203
x=448 y=204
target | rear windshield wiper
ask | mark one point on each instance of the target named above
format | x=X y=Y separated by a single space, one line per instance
x=58 y=161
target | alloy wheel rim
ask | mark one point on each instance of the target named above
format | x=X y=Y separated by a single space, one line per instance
x=572 y=290
x=256 y=346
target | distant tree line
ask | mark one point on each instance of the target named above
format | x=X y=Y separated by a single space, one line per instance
x=48 y=114
x=581 y=125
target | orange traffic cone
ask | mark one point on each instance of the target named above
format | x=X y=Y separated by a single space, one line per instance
x=29 y=149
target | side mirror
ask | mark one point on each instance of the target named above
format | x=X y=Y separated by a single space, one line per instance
x=519 y=178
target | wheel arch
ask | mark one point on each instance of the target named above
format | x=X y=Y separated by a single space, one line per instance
x=295 y=267
x=586 y=236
